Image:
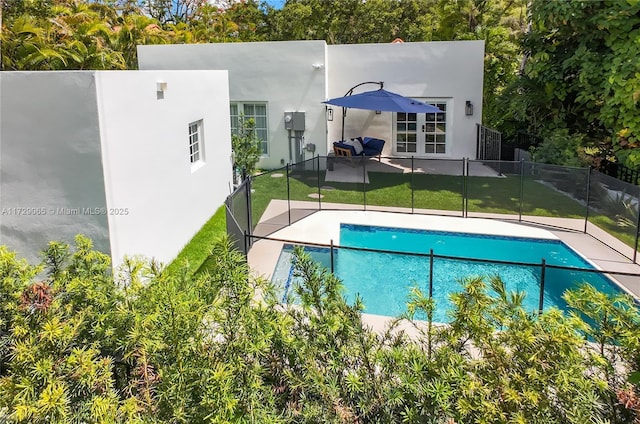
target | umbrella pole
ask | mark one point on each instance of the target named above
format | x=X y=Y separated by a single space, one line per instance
x=344 y=114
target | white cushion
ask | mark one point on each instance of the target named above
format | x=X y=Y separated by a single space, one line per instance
x=357 y=146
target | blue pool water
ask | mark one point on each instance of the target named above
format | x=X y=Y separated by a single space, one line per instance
x=383 y=280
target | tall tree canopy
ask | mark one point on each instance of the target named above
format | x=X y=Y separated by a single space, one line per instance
x=581 y=77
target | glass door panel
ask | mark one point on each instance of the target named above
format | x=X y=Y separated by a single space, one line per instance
x=435 y=130
x=424 y=133
x=407 y=132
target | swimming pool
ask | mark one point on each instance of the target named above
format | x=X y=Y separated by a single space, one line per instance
x=383 y=280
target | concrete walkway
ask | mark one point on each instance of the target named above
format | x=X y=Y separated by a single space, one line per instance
x=351 y=170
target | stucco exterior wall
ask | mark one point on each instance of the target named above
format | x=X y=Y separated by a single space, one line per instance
x=282 y=74
x=102 y=154
x=429 y=70
x=279 y=73
x=156 y=199
x=50 y=161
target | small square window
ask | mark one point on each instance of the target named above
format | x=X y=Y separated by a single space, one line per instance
x=196 y=152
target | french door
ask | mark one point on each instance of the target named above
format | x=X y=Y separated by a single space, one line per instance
x=422 y=134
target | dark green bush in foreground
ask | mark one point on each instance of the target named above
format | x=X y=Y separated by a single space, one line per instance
x=151 y=346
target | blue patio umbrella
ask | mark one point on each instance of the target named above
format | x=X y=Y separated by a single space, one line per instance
x=382 y=100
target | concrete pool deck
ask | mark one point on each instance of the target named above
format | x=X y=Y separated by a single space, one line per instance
x=323 y=226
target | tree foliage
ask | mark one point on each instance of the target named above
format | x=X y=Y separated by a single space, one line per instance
x=150 y=346
x=246 y=147
x=351 y=21
x=580 y=75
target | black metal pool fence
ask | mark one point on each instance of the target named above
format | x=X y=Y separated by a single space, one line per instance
x=577 y=199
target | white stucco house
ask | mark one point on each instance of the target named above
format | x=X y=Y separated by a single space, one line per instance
x=136 y=160
x=270 y=80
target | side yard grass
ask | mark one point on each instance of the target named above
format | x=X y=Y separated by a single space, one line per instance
x=195 y=253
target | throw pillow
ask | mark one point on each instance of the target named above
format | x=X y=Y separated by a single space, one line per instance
x=357 y=146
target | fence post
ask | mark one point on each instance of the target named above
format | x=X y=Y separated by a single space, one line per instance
x=430 y=273
x=288 y=196
x=478 y=144
x=542 y=276
x=465 y=194
x=248 y=196
x=245 y=248
x=521 y=189
x=635 y=245
x=319 y=194
x=364 y=185
x=412 y=187
x=331 y=254
x=586 y=214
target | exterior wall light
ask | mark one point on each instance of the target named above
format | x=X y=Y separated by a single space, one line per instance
x=468 y=108
x=317 y=66
x=329 y=114
x=378 y=112
x=161 y=87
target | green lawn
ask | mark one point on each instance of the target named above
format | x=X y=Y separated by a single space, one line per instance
x=439 y=192
x=195 y=253
x=436 y=192
x=623 y=232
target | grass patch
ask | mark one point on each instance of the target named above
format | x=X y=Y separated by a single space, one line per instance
x=439 y=192
x=503 y=196
x=436 y=192
x=196 y=252
x=624 y=233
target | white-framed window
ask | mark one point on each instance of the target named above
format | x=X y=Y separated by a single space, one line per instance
x=196 y=145
x=256 y=111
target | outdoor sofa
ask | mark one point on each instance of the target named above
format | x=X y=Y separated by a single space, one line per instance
x=367 y=146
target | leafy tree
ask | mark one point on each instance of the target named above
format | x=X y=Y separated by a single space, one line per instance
x=500 y=24
x=171 y=11
x=68 y=34
x=211 y=25
x=352 y=21
x=75 y=34
x=560 y=148
x=246 y=147
x=248 y=20
x=12 y=9
x=579 y=74
x=131 y=30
